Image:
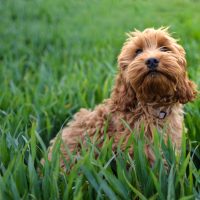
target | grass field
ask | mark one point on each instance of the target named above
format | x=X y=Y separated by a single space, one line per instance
x=58 y=56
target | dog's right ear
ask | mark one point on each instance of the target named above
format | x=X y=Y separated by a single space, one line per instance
x=123 y=61
x=127 y=54
x=123 y=96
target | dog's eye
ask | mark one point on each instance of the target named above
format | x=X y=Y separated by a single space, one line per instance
x=138 y=51
x=164 y=49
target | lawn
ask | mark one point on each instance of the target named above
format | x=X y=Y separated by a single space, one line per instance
x=59 y=56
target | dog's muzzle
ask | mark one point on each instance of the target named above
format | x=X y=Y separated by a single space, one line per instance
x=152 y=63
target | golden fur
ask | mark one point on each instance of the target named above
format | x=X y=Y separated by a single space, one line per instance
x=139 y=96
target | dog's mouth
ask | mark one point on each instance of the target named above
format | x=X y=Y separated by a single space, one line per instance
x=154 y=73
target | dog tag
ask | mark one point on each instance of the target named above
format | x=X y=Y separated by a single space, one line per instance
x=162 y=114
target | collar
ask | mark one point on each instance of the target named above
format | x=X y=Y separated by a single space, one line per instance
x=159 y=112
x=162 y=114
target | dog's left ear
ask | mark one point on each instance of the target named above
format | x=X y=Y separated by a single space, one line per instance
x=186 y=90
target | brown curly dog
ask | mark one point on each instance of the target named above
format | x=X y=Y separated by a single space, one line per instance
x=151 y=86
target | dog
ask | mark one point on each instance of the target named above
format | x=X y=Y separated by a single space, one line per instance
x=149 y=92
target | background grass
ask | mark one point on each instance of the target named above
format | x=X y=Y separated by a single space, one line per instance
x=58 y=56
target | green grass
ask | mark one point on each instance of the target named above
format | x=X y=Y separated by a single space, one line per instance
x=58 y=56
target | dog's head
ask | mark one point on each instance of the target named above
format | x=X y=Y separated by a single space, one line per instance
x=154 y=65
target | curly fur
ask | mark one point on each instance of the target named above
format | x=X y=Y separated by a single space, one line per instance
x=139 y=96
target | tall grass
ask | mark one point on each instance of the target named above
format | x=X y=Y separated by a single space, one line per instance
x=58 y=56
x=99 y=173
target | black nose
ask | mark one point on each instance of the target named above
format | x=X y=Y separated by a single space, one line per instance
x=152 y=63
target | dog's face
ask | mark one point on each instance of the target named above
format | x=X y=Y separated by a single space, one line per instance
x=154 y=64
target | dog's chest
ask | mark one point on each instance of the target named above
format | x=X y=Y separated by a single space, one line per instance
x=150 y=118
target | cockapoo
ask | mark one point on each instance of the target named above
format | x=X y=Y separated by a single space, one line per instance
x=149 y=91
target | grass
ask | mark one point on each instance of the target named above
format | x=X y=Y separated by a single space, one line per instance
x=58 y=56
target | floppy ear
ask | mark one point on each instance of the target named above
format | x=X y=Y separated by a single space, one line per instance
x=123 y=96
x=186 y=90
x=124 y=57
